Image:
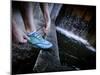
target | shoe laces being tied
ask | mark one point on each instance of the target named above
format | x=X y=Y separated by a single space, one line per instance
x=36 y=35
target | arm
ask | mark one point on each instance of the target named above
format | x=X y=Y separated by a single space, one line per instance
x=46 y=14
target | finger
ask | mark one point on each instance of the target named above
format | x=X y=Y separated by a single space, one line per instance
x=24 y=41
x=26 y=37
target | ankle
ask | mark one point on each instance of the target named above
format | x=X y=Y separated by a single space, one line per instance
x=30 y=30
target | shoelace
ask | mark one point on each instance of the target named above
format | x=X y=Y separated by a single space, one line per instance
x=37 y=35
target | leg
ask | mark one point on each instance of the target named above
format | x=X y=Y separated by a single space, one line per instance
x=27 y=14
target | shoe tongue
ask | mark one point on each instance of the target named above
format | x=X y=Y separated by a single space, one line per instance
x=36 y=34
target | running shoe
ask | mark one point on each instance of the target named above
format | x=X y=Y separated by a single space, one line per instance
x=37 y=41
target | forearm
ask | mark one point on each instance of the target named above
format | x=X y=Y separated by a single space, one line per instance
x=46 y=14
x=14 y=27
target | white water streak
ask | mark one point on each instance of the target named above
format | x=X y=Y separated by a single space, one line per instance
x=75 y=37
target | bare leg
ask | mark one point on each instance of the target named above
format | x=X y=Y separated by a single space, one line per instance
x=27 y=14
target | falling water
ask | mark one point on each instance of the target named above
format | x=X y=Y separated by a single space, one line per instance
x=75 y=37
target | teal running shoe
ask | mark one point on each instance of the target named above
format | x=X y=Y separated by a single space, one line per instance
x=37 y=41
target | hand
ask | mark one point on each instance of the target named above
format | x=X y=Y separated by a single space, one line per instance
x=47 y=28
x=20 y=36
